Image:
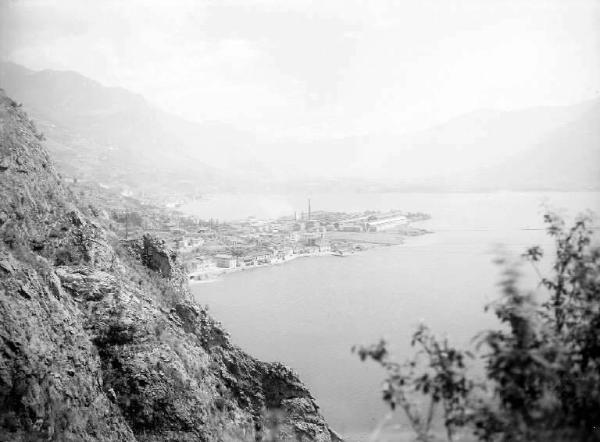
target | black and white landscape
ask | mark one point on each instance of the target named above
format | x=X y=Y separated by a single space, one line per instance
x=299 y=221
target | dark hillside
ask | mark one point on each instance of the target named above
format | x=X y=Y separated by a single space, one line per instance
x=100 y=339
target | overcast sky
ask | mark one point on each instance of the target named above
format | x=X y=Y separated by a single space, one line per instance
x=312 y=68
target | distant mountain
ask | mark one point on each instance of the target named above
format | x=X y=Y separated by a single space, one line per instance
x=565 y=158
x=115 y=137
x=538 y=148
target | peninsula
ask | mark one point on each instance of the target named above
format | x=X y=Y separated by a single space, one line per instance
x=209 y=248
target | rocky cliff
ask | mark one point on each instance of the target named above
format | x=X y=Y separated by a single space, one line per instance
x=101 y=341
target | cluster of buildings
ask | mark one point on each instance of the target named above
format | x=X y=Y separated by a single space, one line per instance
x=208 y=247
x=250 y=243
x=214 y=246
x=374 y=222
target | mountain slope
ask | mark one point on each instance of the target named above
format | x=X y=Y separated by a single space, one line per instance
x=101 y=340
x=112 y=135
x=566 y=158
x=537 y=148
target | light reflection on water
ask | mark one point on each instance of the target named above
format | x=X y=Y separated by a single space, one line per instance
x=310 y=312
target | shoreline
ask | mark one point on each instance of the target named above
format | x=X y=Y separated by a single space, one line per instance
x=217 y=273
x=355 y=242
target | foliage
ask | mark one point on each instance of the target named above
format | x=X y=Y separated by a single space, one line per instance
x=542 y=367
x=442 y=380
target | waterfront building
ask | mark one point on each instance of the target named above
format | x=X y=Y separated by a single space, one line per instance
x=285 y=253
x=388 y=223
x=226 y=261
x=200 y=264
x=263 y=256
x=248 y=260
x=324 y=246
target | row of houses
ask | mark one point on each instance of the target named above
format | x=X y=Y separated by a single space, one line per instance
x=204 y=263
x=386 y=223
x=374 y=223
x=252 y=258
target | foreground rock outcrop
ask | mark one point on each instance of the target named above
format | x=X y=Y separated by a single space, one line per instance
x=101 y=341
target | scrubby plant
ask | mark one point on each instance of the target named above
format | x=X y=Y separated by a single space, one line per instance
x=541 y=368
x=435 y=376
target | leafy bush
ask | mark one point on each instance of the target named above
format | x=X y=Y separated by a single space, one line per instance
x=542 y=368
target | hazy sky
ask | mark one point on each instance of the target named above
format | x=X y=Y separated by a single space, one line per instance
x=312 y=68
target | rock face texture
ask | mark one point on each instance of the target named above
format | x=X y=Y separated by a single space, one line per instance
x=101 y=341
x=154 y=255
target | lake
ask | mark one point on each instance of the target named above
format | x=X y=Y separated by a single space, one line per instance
x=309 y=313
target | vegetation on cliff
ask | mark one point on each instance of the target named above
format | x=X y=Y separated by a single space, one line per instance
x=100 y=339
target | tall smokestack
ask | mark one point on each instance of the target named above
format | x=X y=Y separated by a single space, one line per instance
x=309 y=209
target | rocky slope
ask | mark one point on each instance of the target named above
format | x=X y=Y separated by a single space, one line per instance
x=100 y=340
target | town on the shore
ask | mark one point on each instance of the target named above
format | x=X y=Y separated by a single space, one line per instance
x=210 y=247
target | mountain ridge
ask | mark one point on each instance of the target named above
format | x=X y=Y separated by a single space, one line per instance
x=128 y=142
x=110 y=126
x=479 y=150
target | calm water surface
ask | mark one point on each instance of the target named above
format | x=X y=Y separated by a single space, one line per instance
x=310 y=312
